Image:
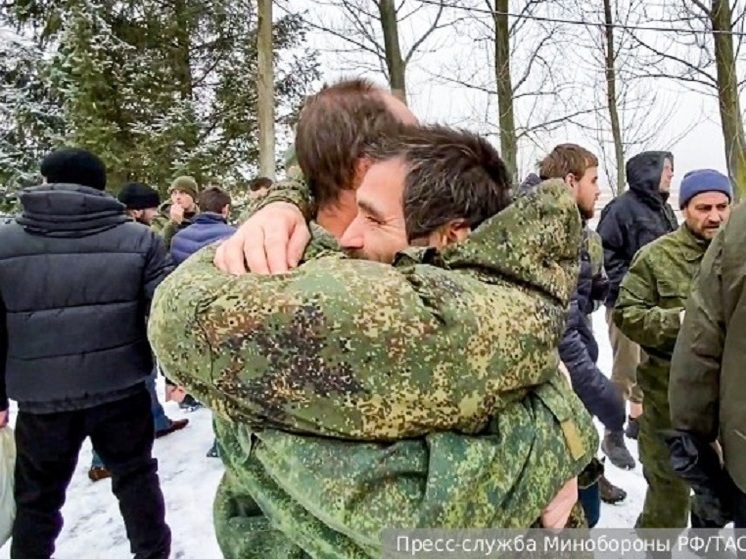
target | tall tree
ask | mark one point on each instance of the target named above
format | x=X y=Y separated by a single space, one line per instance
x=701 y=50
x=522 y=68
x=634 y=116
x=164 y=87
x=370 y=36
x=265 y=91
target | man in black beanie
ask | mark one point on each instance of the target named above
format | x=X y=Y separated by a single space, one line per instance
x=77 y=276
x=142 y=202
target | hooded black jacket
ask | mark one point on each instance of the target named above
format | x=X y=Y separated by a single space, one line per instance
x=636 y=218
x=76 y=280
x=578 y=348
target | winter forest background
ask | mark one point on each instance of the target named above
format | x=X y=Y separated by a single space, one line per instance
x=164 y=87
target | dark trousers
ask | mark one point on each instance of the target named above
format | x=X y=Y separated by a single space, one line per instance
x=590 y=500
x=47 y=452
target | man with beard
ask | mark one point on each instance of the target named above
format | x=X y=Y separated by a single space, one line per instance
x=578 y=168
x=373 y=395
x=648 y=311
x=630 y=221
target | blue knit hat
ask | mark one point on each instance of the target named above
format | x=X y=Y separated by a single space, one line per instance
x=703 y=180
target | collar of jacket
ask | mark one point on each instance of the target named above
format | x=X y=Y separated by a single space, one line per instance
x=694 y=246
x=209 y=217
x=69 y=210
x=535 y=241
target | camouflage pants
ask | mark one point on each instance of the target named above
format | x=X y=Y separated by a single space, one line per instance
x=242 y=530
x=667 y=497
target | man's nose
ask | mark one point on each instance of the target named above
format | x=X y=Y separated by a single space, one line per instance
x=352 y=237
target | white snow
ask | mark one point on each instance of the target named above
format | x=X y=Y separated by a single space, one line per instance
x=94 y=529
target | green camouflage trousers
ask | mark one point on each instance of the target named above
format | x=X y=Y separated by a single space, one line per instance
x=667 y=497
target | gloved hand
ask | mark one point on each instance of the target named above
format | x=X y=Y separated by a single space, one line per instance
x=698 y=464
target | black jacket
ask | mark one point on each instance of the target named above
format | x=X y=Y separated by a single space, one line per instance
x=579 y=352
x=76 y=280
x=636 y=218
x=578 y=349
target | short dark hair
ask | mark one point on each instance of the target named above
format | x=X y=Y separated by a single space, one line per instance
x=335 y=126
x=452 y=174
x=213 y=199
x=260 y=182
x=74 y=166
x=567 y=159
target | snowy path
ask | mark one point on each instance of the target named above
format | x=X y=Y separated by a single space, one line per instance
x=94 y=530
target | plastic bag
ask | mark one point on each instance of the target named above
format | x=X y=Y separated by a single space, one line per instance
x=7 y=469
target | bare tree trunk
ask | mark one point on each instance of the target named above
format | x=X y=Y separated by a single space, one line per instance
x=727 y=85
x=506 y=119
x=265 y=91
x=611 y=99
x=394 y=61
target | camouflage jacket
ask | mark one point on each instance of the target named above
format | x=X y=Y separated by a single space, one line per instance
x=164 y=226
x=651 y=298
x=466 y=346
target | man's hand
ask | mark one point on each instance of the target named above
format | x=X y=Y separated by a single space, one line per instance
x=272 y=241
x=177 y=213
x=3 y=418
x=557 y=513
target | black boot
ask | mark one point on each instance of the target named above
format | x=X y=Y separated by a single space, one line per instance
x=614 y=447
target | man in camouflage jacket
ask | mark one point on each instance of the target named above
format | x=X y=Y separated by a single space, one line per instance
x=340 y=415
x=648 y=311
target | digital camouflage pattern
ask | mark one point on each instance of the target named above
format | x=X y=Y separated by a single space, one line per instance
x=595 y=248
x=651 y=298
x=461 y=341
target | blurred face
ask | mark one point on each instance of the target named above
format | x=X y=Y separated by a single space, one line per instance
x=255 y=194
x=586 y=191
x=378 y=231
x=706 y=212
x=182 y=199
x=145 y=216
x=666 y=176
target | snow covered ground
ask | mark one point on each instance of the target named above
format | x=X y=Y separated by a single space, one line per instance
x=93 y=528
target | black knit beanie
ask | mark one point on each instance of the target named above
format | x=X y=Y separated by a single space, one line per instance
x=138 y=196
x=74 y=166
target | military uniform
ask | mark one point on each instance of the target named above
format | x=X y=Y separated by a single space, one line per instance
x=351 y=396
x=651 y=298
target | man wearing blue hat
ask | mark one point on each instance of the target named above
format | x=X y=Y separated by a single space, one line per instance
x=649 y=311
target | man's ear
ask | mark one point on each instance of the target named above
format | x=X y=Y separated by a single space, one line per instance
x=453 y=232
x=226 y=210
x=361 y=167
x=570 y=180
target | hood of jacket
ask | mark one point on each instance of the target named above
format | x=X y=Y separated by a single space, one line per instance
x=529 y=184
x=644 y=172
x=535 y=241
x=69 y=210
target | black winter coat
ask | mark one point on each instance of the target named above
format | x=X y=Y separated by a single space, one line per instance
x=76 y=280
x=579 y=352
x=578 y=348
x=636 y=218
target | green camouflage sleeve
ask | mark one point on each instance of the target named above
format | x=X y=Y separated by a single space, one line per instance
x=293 y=190
x=361 y=350
x=637 y=312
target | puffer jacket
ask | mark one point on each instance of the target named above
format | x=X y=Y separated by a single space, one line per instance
x=636 y=218
x=205 y=229
x=76 y=280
